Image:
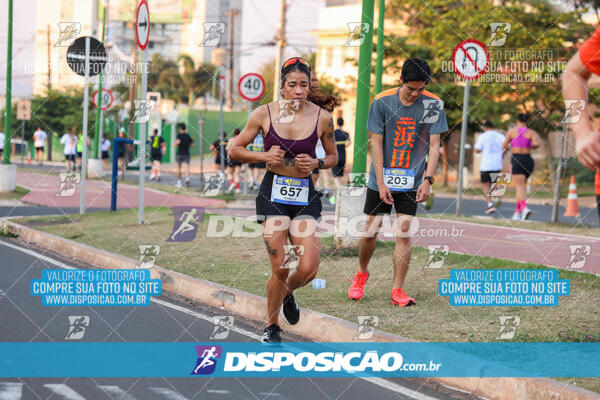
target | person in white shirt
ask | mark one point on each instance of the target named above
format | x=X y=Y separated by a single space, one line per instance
x=105 y=147
x=69 y=141
x=489 y=144
x=39 y=140
x=1 y=144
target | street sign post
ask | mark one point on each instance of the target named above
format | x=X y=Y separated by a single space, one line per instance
x=86 y=57
x=106 y=101
x=470 y=59
x=142 y=32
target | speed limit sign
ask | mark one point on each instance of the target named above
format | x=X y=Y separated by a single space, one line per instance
x=251 y=86
x=107 y=99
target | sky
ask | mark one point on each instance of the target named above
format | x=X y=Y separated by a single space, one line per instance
x=259 y=25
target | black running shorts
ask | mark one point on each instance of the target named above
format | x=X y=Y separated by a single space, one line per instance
x=404 y=203
x=265 y=208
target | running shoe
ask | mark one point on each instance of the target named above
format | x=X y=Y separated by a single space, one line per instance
x=290 y=312
x=400 y=298
x=187 y=182
x=158 y=178
x=151 y=177
x=490 y=210
x=272 y=334
x=516 y=216
x=526 y=213
x=332 y=200
x=178 y=185
x=357 y=289
x=231 y=187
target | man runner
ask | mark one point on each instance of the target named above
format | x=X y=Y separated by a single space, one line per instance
x=158 y=147
x=400 y=142
x=184 y=142
x=489 y=144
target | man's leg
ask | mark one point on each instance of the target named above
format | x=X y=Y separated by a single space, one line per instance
x=368 y=242
x=486 y=192
x=402 y=251
x=179 y=170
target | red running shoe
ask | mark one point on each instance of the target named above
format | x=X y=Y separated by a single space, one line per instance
x=400 y=298
x=357 y=289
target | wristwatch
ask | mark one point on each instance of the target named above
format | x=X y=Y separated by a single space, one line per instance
x=321 y=165
x=431 y=179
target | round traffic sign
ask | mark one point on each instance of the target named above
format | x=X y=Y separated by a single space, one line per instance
x=107 y=99
x=142 y=24
x=470 y=59
x=76 y=56
x=251 y=86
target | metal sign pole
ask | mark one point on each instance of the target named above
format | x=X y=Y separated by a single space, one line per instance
x=221 y=124
x=22 y=140
x=463 y=137
x=559 y=168
x=142 y=149
x=85 y=127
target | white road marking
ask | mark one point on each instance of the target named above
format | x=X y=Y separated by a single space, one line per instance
x=11 y=390
x=115 y=390
x=217 y=391
x=375 y=381
x=168 y=393
x=64 y=391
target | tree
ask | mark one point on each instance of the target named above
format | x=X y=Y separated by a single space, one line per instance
x=536 y=25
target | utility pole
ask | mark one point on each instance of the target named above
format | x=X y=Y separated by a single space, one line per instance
x=8 y=102
x=97 y=130
x=363 y=90
x=379 y=64
x=280 y=49
x=49 y=60
x=232 y=14
x=49 y=86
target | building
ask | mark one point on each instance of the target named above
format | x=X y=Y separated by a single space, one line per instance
x=176 y=27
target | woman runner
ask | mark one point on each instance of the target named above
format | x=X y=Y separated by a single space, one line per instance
x=522 y=140
x=287 y=205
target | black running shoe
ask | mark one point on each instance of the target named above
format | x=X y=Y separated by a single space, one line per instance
x=272 y=334
x=290 y=310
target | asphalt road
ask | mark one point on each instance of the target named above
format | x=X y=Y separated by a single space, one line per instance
x=163 y=320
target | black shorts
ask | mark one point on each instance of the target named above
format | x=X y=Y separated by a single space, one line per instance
x=265 y=208
x=183 y=158
x=522 y=164
x=69 y=157
x=485 y=175
x=105 y=155
x=338 y=170
x=258 y=165
x=156 y=157
x=40 y=148
x=404 y=203
x=233 y=163
x=79 y=154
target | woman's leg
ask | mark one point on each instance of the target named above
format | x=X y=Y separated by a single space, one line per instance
x=303 y=233
x=275 y=235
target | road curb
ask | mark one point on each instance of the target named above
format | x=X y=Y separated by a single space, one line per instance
x=313 y=325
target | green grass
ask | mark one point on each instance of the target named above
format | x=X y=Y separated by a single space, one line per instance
x=17 y=194
x=242 y=263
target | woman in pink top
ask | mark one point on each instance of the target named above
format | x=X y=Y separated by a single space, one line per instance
x=521 y=140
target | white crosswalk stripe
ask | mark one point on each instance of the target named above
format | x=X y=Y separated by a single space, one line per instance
x=11 y=390
x=168 y=394
x=64 y=391
x=117 y=392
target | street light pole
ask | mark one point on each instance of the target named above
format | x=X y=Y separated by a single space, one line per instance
x=8 y=102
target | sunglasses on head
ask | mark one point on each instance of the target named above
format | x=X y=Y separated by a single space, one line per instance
x=294 y=61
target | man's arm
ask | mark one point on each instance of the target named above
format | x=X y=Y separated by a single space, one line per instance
x=574 y=87
x=424 y=188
